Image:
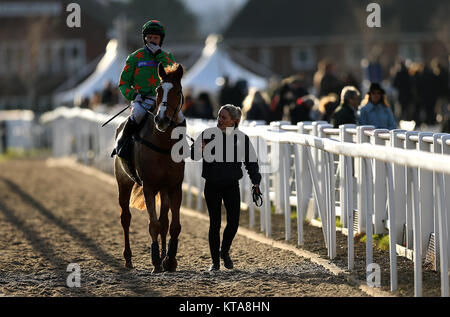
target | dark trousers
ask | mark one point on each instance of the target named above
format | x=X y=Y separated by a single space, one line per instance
x=230 y=194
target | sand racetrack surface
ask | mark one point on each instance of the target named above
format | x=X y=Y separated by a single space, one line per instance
x=53 y=216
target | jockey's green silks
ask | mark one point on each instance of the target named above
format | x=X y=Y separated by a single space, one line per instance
x=140 y=74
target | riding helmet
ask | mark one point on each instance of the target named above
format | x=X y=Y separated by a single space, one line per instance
x=153 y=27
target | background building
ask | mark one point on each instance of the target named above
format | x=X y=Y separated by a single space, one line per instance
x=38 y=51
x=294 y=36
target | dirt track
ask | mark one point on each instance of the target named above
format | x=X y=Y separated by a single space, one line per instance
x=53 y=216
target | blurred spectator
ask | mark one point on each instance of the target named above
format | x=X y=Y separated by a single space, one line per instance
x=286 y=95
x=425 y=94
x=327 y=105
x=189 y=107
x=107 y=95
x=429 y=94
x=375 y=70
x=3 y=137
x=442 y=84
x=415 y=71
x=84 y=103
x=301 y=110
x=445 y=125
x=239 y=92
x=345 y=113
x=318 y=75
x=95 y=100
x=375 y=109
x=226 y=93
x=330 y=83
x=256 y=106
x=204 y=108
x=350 y=80
x=402 y=82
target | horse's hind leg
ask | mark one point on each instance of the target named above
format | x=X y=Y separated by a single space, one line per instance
x=164 y=221
x=125 y=188
x=170 y=262
x=153 y=227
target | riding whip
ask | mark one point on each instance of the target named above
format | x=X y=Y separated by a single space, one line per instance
x=115 y=116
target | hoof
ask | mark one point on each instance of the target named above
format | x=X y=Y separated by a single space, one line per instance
x=170 y=264
x=128 y=264
x=157 y=269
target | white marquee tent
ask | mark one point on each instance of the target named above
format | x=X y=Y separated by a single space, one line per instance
x=108 y=69
x=204 y=75
x=215 y=64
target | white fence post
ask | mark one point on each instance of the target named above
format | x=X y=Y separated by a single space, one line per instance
x=426 y=196
x=392 y=228
x=286 y=157
x=303 y=186
x=441 y=220
x=349 y=209
x=344 y=136
x=369 y=211
x=446 y=150
x=380 y=192
x=417 y=234
x=278 y=178
x=318 y=159
x=361 y=179
x=331 y=205
x=399 y=188
x=410 y=145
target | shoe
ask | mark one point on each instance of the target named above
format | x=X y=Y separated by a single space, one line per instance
x=227 y=262
x=214 y=267
x=123 y=148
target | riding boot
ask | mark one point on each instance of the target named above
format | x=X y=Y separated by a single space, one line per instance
x=123 y=148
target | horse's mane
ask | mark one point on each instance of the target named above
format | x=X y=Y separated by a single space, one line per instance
x=171 y=69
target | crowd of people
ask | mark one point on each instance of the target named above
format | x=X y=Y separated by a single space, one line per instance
x=108 y=97
x=417 y=92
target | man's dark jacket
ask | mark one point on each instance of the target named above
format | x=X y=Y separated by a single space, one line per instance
x=344 y=114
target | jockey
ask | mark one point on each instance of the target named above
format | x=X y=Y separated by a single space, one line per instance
x=139 y=80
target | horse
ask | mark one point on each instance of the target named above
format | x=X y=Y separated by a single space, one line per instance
x=158 y=172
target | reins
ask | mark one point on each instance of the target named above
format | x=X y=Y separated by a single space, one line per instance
x=149 y=144
x=257 y=196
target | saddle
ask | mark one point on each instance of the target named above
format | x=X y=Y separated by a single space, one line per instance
x=137 y=138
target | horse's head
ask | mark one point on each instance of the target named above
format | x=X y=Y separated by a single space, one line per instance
x=169 y=96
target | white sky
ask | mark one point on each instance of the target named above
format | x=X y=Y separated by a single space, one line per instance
x=214 y=15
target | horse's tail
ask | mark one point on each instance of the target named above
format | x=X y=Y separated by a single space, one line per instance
x=137 y=199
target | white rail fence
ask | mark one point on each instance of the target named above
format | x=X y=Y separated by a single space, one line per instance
x=18 y=130
x=377 y=181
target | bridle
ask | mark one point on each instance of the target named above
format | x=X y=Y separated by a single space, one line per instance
x=177 y=109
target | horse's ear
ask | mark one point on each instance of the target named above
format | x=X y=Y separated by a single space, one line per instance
x=161 y=71
x=179 y=72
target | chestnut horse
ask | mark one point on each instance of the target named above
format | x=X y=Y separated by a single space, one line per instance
x=158 y=172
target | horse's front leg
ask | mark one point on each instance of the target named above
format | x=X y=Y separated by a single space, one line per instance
x=153 y=228
x=125 y=187
x=170 y=262
x=164 y=222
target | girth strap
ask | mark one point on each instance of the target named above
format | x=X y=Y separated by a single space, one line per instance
x=155 y=148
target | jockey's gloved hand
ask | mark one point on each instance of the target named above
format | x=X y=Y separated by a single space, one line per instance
x=155 y=49
x=138 y=98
